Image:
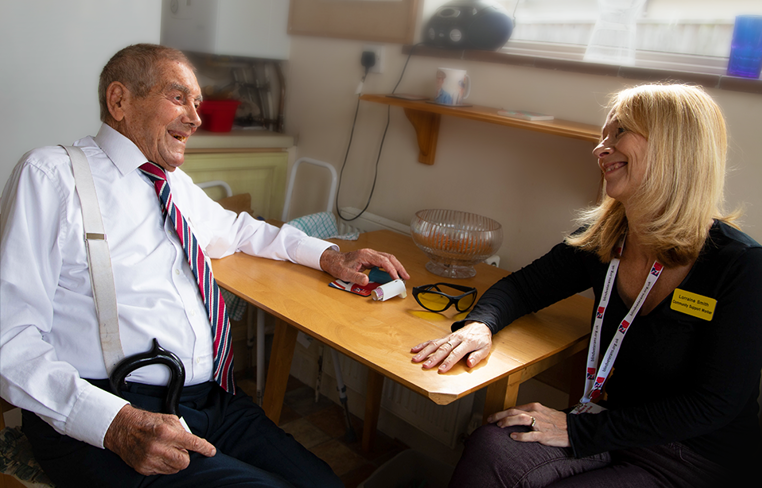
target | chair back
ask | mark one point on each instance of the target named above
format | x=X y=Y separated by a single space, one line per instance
x=237 y=203
x=292 y=178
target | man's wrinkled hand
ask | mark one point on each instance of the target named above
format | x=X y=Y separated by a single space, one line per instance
x=349 y=266
x=153 y=443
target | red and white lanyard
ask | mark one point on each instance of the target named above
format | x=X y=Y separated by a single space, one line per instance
x=595 y=376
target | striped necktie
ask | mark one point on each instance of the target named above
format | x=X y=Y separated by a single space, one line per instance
x=210 y=292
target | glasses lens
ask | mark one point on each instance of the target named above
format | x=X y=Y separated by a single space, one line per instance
x=433 y=301
x=466 y=302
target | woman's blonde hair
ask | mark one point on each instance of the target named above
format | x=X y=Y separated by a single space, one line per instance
x=683 y=185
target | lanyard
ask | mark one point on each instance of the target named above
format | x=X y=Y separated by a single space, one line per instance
x=595 y=377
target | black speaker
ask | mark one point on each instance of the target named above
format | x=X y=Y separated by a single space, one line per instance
x=469 y=24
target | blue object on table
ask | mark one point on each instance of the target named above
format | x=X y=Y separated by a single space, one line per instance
x=746 y=47
x=377 y=275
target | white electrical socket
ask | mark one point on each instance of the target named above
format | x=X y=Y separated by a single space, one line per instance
x=378 y=49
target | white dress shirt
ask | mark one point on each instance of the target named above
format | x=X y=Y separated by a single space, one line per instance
x=48 y=327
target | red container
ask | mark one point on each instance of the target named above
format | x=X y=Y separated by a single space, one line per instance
x=218 y=115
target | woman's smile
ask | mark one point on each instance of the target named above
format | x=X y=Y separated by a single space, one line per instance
x=622 y=158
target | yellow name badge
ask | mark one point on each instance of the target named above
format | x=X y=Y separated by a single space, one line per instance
x=693 y=304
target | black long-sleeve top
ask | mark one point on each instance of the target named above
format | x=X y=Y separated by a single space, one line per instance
x=677 y=377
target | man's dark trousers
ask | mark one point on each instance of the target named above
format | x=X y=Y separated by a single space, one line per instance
x=251 y=450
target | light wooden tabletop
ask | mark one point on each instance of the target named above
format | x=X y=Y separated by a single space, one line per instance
x=380 y=334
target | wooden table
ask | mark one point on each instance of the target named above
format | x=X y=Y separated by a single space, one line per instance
x=380 y=334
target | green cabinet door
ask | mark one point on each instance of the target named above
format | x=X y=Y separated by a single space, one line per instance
x=261 y=174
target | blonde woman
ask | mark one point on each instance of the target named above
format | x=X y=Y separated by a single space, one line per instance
x=678 y=314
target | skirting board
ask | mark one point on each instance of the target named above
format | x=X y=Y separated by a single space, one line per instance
x=369 y=222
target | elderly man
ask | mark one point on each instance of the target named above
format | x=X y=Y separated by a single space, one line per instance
x=51 y=361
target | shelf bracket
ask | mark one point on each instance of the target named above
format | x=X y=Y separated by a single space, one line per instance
x=426 y=126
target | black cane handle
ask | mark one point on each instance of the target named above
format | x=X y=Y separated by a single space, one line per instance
x=157 y=355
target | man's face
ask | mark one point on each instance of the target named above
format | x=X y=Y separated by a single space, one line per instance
x=161 y=123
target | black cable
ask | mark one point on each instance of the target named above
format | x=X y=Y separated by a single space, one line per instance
x=405 y=67
x=380 y=149
x=346 y=154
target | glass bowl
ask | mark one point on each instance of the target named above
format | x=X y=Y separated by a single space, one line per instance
x=455 y=241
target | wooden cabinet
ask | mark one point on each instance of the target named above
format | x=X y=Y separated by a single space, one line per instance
x=425 y=118
x=259 y=172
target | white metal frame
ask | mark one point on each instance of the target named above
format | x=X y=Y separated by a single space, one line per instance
x=261 y=313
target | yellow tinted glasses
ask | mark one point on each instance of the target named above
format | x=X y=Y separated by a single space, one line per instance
x=439 y=297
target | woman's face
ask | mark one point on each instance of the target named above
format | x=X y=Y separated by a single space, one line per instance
x=622 y=158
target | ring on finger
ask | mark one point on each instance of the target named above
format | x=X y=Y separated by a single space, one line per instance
x=450 y=344
x=534 y=421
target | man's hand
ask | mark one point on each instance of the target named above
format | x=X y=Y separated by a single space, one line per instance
x=153 y=443
x=548 y=426
x=474 y=339
x=349 y=266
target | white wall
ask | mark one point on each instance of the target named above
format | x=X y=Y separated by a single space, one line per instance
x=532 y=183
x=52 y=54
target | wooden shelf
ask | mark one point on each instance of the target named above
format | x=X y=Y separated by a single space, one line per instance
x=425 y=118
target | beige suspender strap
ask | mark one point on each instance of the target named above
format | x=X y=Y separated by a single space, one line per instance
x=99 y=260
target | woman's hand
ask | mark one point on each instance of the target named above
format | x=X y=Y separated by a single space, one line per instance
x=474 y=338
x=548 y=425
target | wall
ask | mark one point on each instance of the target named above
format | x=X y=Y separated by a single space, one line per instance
x=52 y=55
x=530 y=182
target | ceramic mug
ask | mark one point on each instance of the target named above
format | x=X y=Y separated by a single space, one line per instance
x=453 y=86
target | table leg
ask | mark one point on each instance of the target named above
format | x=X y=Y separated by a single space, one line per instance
x=282 y=353
x=501 y=395
x=372 y=408
x=578 y=365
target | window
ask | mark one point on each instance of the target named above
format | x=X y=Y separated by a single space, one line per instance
x=679 y=35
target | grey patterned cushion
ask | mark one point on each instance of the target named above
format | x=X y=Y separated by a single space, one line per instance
x=17 y=460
